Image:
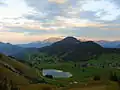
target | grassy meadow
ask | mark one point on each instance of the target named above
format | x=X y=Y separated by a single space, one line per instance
x=84 y=74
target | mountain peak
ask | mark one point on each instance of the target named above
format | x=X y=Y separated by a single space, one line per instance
x=70 y=40
x=52 y=39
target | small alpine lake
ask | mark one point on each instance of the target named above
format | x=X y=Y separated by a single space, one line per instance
x=56 y=73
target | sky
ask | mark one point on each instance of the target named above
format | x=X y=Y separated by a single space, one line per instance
x=23 y=21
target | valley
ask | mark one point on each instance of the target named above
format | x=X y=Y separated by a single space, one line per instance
x=90 y=67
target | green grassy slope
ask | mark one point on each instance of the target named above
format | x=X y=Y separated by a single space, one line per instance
x=82 y=75
x=17 y=79
x=17 y=71
x=108 y=60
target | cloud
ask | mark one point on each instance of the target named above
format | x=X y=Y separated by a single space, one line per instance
x=11 y=36
x=29 y=24
x=14 y=10
x=2 y=4
x=51 y=19
x=36 y=16
x=58 y=23
x=59 y=17
x=108 y=28
x=58 y=1
x=105 y=10
x=76 y=22
x=95 y=33
x=95 y=10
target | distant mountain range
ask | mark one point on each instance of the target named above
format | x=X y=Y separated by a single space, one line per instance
x=9 y=49
x=118 y=46
x=67 y=48
x=39 y=44
x=49 y=41
x=109 y=44
x=20 y=50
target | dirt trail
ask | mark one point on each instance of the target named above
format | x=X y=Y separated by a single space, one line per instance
x=91 y=88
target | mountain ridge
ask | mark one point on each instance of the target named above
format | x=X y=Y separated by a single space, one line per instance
x=109 y=44
x=71 y=48
x=9 y=49
x=39 y=44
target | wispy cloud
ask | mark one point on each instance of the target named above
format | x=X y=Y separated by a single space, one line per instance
x=58 y=1
x=59 y=17
x=105 y=10
x=77 y=22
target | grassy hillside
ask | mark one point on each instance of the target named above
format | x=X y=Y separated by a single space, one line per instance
x=88 y=86
x=17 y=71
x=38 y=87
x=29 y=78
x=17 y=79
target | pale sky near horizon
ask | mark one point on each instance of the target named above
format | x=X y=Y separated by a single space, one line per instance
x=23 y=21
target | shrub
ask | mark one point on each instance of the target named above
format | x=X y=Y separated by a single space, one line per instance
x=96 y=78
x=113 y=76
x=49 y=76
